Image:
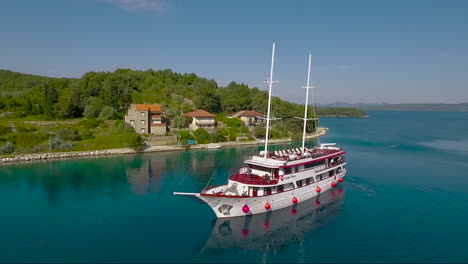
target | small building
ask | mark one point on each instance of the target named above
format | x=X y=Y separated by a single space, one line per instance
x=146 y=119
x=249 y=118
x=201 y=119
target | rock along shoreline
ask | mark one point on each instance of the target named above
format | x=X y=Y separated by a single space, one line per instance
x=36 y=157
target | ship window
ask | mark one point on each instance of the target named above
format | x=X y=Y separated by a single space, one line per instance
x=307 y=181
x=296 y=169
x=267 y=190
x=332 y=172
x=299 y=183
x=313 y=164
x=287 y=170
x=280 y=188
x=319 y=177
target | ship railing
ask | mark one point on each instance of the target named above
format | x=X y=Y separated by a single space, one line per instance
x=297 y=154
x=254 y=179
x=215 y=189
x=331 y=165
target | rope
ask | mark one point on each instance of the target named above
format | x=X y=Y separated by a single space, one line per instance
x=217 y=167
x=185 y=177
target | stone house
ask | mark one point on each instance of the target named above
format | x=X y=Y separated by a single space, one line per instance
x=201 y=119
x=146 y=119
x=249 y=118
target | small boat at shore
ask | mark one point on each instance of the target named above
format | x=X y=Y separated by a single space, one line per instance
x=274 y=180
x=212 y=146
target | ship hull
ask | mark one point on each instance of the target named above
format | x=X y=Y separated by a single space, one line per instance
x=226 y=206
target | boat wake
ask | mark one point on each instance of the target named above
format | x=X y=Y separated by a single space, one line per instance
x=460 y=146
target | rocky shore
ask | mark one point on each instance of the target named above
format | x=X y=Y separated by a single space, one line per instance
x=109 y=152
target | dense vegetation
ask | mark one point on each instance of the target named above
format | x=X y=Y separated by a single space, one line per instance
x=341 y=112
x=107 y=95
x=418 y=107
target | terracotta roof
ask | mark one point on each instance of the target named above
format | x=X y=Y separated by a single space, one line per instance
x=158 y=125
x=246 y=113
x=146 y=107
x=199 y=113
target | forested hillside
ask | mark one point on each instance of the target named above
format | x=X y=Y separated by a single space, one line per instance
x=64 y=98
x=341 y=112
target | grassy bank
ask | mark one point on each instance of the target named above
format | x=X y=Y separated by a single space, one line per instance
x=25 y=136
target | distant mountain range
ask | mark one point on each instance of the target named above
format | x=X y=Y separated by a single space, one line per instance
x=401 y=107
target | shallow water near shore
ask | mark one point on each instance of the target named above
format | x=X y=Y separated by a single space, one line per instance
x=404 y=200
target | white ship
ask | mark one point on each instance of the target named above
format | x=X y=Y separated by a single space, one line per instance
x=274 y=180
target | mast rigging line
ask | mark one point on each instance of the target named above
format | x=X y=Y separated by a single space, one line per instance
x=185 y=177
x=217 y=167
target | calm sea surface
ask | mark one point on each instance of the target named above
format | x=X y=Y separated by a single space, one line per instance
x=405 y=199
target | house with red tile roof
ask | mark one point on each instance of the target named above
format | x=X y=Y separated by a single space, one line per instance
x=249 y=117
x=146 y=119
x=201 y=119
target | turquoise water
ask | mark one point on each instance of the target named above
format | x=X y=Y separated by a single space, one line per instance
x=404 y=199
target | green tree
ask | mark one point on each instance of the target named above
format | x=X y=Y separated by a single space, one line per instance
x=180 y=122
x=108 y=113
x=51 y=95
x=93 y=107
x=259 y=132
x=202 y=136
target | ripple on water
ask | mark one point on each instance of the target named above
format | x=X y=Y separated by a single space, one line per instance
x=402 y=214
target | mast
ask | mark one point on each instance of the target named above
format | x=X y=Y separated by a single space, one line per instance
x=270 y=84
x=306 y=103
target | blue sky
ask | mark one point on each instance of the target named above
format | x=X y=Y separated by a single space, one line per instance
x=363 y=51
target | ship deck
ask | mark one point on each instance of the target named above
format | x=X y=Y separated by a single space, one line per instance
x=291 y=158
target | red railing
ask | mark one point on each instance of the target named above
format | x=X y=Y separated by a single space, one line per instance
x=253 y=179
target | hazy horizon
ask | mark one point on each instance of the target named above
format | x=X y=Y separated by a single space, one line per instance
x=363 y=51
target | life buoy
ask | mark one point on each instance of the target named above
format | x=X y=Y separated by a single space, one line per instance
x=282 y=178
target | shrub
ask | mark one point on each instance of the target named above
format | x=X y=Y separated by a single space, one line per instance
x=86 y=134
x=185 y=134
x=26 y=139
x=244 y=130
x=125 y=128
x=7 y=148
x=179 y=122
x=296 y=136
x=108 y=113
x=68 y=134
x=202 y=136
x=89 y=123
x=134 y=141
x=232 y=133
x=232 y=122
x=58 y=144
x=218 y=136
x=185 y=144
x=259 y=132
x=24 y=127
x=92 y=111
x=4 y=128
x=232 y=136
x=220 y=117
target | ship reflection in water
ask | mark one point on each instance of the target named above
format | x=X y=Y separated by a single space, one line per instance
x=274 y=229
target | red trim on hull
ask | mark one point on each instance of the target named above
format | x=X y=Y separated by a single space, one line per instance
x=238 y=196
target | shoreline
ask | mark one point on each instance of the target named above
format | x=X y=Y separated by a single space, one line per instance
x=48 y=156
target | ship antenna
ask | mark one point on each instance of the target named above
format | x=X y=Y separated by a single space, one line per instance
x=270 y=84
